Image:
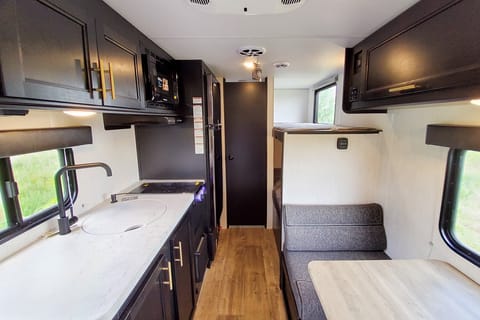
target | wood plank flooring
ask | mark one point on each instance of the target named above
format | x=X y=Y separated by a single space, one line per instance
x=243 y=282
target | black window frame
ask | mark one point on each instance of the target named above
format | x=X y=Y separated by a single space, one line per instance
x=325 y=87
x=11 y=203
x=447 y=214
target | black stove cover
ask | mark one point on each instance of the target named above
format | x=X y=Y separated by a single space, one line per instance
x=169 y=187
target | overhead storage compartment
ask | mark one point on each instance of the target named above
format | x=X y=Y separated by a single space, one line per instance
x=428 y=53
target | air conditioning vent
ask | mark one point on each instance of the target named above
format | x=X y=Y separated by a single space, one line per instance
x=246 y=7
x=202 y=2
x=290 y=2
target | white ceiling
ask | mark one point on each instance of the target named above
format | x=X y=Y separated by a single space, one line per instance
x=312 y=38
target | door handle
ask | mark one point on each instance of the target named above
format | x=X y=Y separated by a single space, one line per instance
x=230 y=157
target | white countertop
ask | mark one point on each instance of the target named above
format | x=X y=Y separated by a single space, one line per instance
x=84 y=276
x=394 y=289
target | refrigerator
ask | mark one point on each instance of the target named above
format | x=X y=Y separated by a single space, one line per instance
x=191 y=149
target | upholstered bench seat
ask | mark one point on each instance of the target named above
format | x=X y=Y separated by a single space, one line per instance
x=334 y=232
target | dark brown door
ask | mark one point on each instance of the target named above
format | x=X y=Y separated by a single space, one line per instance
x=246 y=152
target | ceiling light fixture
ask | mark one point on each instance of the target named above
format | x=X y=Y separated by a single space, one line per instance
x=257 y=72
x=252 y=52
x=250 y=65
x=79 y=113
x=475 y=102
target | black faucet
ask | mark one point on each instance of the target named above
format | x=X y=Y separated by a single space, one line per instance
x=63 y=222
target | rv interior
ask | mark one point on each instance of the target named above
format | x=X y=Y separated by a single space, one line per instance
x=226 y=159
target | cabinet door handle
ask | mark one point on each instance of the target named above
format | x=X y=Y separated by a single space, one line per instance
x=169 y=282
x=103 y=87
x=179 y=248
x=112 y=81
x=403 y=88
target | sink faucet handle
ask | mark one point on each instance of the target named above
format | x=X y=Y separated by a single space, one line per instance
x=113 y=198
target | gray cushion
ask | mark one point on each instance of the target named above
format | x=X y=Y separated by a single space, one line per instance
x=297 y=262
x=334 y=228
x=310 y=306
x=357 y=214
x=335 y=238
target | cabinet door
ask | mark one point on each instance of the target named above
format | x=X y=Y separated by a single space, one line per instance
x=47 y=49
x=148 y=304
x=180 y=246
x=119 y=52
x=440 y=51
x=167 y=285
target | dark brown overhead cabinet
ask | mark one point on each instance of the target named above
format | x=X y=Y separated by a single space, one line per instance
x=120 y=58
x=430 y=52
x=49 y=55
x=47 y=51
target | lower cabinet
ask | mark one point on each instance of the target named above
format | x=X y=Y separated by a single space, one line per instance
x=155 y=300
x=167 y=292
x=182 y=270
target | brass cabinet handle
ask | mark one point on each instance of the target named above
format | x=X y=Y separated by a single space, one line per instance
x=403 y=88
x=112 y=81
x=179 y=248
x=169 y=282
x=103 y=87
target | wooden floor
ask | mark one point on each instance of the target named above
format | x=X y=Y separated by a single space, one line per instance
x=243 y=282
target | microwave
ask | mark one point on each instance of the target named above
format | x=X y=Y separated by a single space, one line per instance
x=161 y=82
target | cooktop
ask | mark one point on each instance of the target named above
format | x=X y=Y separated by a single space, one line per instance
x=169 y=187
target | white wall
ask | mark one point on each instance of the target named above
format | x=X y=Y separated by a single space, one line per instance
x=116 y=148
x=412 y=176
x=315 y=171
x=291 y=105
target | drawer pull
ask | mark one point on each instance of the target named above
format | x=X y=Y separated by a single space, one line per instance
x=169 y=282
x=179 y=248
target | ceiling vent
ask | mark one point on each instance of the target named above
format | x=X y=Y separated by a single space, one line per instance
x=289 y=2
x=251 y=51
x=202 y=2
x=246 y=7
x=281 y=65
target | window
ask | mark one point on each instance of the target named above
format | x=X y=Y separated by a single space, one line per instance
x=3 y=217
x=460 y=217
x=28 y=194
x=324 y=111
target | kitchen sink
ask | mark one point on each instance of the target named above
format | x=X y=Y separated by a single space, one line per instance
x=123 y=216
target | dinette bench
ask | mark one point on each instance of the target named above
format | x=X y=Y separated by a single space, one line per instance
x=325 y=232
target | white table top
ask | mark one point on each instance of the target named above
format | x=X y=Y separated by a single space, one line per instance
x=394 y=289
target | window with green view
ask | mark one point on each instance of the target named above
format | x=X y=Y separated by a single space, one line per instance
x=325 y=97
x=460 y=218
x=3 y=218
x=28 y=195
x=34 y=174
x=466 y=226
